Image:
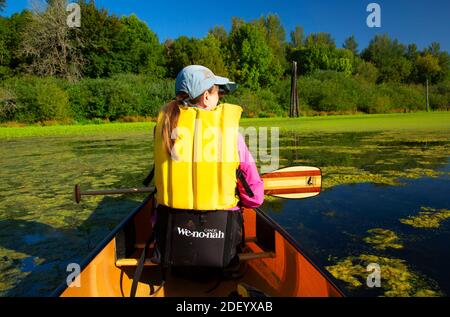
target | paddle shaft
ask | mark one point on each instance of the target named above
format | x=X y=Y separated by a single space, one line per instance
x=78 y=192
x=290 y=182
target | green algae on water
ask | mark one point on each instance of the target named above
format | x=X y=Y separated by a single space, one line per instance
x=427 y=218
x=382 y=239
x=397 y=279
x=10 y=269
x=338 y=175
x=348 y=272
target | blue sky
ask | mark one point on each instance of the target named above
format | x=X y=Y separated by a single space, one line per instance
x=411 y=21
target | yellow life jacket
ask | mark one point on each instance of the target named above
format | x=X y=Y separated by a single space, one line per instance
x=200 y=172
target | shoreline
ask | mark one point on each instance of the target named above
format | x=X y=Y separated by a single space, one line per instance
x=431 y=121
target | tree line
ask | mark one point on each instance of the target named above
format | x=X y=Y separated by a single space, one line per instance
x=39 y=51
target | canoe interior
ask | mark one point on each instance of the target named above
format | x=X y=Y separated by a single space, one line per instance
x=271 y=263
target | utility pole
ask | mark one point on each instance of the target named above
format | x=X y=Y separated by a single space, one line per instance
x=293 y=109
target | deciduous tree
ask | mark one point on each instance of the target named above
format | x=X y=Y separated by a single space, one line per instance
x=52 y=48
x=389 y=56
x=250 y=55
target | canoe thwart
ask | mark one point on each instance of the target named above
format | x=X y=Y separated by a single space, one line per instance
x=257 y=255
x=133 y=262
x=242 y=257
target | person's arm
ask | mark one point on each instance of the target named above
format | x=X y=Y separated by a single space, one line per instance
x=251 y=175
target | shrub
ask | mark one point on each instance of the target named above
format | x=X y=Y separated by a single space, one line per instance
x=260 y=103
x=37 y=99
x=365 y=71
x=129 y=97
x=7 y=104
x=439 y=97
x=120 y=96
x=88 y=98
x=158 y=93
x=403 y=97
x=52 y=102
x=329 y=91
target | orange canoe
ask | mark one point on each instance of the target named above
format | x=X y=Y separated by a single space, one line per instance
x=272 y=263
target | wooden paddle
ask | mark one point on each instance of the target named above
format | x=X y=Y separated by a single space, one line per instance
x=293 y=182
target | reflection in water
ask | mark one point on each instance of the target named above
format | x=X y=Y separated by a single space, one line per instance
x=42 y=229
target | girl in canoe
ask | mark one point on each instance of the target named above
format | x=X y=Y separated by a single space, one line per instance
x=204 y=174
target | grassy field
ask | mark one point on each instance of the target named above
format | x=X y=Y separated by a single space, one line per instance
x=359 y=123
x=434 y=121
x=107 y=129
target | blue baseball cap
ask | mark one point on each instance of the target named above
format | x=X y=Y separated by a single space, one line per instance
x=196 y=79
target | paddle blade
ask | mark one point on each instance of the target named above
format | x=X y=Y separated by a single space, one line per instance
x=293 y=182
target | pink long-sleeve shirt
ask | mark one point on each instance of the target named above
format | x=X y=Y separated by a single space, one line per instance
x=250 y=172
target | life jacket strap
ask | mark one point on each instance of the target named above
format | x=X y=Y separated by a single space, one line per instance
x=247 y=188
x=140 y=265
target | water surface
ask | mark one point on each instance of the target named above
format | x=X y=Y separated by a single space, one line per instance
x=370 y=180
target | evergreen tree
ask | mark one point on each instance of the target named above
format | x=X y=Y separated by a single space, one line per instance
x=297 y=37
x=351 y=45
